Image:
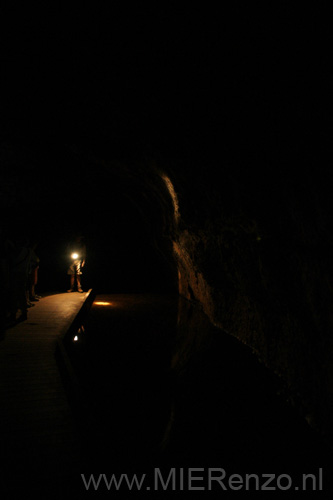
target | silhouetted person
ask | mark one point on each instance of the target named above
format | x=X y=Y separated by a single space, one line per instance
x=77 y=251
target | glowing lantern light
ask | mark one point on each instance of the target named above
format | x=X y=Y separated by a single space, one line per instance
x=75 y=255
x=76 y=338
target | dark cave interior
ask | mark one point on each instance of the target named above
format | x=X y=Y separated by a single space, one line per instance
x=91 y=121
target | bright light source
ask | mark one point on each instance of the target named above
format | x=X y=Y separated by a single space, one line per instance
x=102 y=303
x=76 y=338
x=75 y=255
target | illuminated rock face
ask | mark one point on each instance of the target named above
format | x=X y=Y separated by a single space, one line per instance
x=253 y=249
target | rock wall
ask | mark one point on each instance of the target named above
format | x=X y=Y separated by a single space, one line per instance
x=253 y=249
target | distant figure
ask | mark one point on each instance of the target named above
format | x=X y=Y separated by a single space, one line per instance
x=77 y=254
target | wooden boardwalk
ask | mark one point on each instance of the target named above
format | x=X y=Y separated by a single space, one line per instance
x=39 y=441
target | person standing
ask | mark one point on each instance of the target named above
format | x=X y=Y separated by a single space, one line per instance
x=77 y=252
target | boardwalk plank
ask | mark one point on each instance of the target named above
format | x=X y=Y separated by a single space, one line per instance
x=37 y=427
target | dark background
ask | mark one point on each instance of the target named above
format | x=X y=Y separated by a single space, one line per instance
x=217 y=89
x=166 y=73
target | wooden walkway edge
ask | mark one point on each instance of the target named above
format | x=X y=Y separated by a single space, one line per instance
x=39 y=440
